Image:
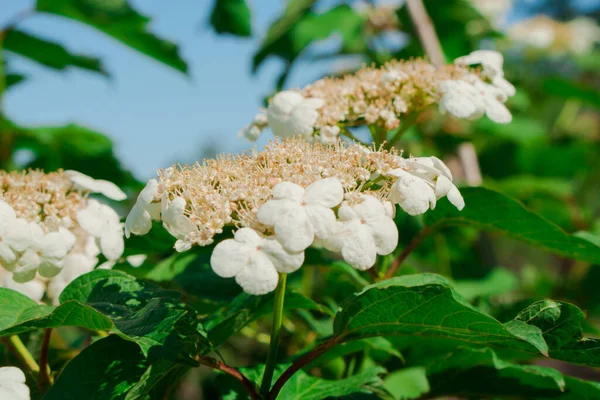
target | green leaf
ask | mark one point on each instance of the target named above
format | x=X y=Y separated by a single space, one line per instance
x=408 y=383
x=231 y=16
x=49 y=54
x=302 y=386
x=469 y=372
x=119 y=20
x=499 y=281
x=157 y=374
x=73 y=147
x=18 y=314
x=106 y=370
x=492 y=211
x=569 y=89
x=426 y=309
x=246 y=308
x=299 y=27
x=140 y=311
x=13 y=79
x=425 y=305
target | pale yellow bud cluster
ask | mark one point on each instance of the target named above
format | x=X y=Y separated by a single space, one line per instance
x=48 y=198
x=381 y=95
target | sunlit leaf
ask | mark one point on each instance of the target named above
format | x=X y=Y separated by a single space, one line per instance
x=119 y=20
x=231 y=16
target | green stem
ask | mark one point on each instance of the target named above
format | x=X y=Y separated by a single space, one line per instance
x=24 y=354
x=407 y=123
x=265 y=385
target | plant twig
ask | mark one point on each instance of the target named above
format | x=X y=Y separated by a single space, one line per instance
x=45 y=378
x=417 y=240
x=299 y=364
x=426 y=32
x=231 y=371
x=16 y=345
x=267 y=378
x=470 y=164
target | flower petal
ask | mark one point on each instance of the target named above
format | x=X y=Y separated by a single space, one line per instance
x=284 y=261
x=327 y=192
x=229 y=257
x=248 y=236
x=138 y=221
x=303 y=118
x=497 y=112
x=50 y=267
x=12 y=384
x=112 y=244
x=322 y=220
x=385 y=234
x=274 y=209
x=101 y=186
x=7 y=256
x=289 y=191
x=413 y=194
x=26 y=266
x=33 y=289
x=456 y=198
x=259 y=276
x=280 y=109
x=359 y=248
x=7 y=216
x=174 y=219
x=23 y=235
x=294 y=231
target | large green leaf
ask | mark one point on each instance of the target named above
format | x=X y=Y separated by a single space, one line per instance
x=246 y=308
x=73 y=147
x=426 y=309
x=49 y=54
x=492 y=211
x=18 y=313
x=152 y=317
x=231 y=16
x=425 y=305
x=105 y=370
x=569 y=89
x=302 y=386
x=140 y=311
x=119 y=20
x=469 y=372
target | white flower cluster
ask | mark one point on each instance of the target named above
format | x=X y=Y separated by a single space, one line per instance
x=344 y=211
x=471 y=97
x=51 y=232
x=384 y=96
x=12 y=384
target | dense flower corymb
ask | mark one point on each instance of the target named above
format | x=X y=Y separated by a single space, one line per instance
x=50 y=229
x=385 y=96
x=286 y=198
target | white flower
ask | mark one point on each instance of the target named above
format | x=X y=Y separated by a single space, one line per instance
x=38 y=252
x=7 y=218
x=139 y=220
x=493 y=100
x=254 y=261
x=250 y=132
x=106 y=188
x=290 y=114
x=102 y=222
x=298 y=215
x=492 y=63
x=12 y=384
x=329 y=134
x=34 y=289
x=75 y=265
x=585 y=33
x=461 y=99
x=176 y=222
x=418 y=189
x=363 y=231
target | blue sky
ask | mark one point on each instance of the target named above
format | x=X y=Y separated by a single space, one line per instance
x=154 y=115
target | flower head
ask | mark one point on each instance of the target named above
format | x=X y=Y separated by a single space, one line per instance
x=298 y=215
x=364 y=230
x=290 y=113
x=254 y=261
x=45 y=219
